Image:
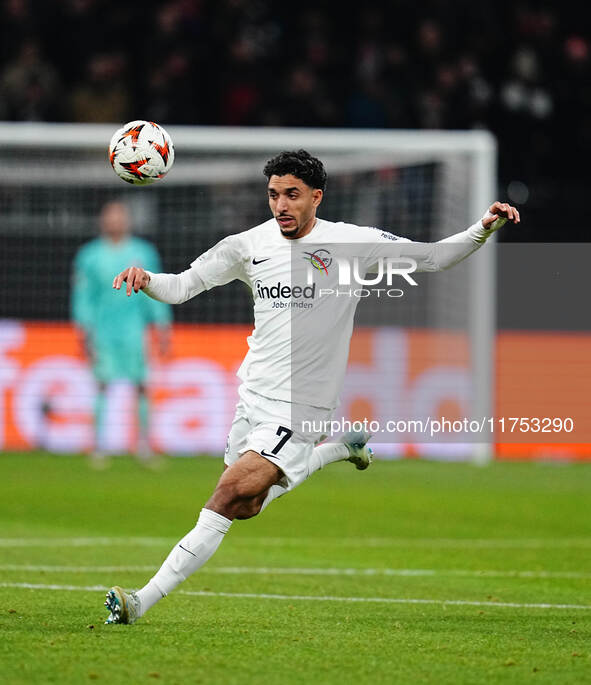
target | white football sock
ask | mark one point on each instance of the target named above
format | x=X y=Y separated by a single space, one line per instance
x=327 y=453
x=186 y=557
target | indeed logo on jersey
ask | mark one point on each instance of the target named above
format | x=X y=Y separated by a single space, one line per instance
x=286 y=292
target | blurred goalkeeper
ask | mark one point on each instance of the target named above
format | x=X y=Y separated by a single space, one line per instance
x=113 y=328
x=298 y=350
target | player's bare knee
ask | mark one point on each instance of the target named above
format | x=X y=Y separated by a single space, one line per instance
x=241 y=489
x=236 y=509
x=225 y=500
x=228 y=502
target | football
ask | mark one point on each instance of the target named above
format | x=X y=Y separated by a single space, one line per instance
x=141 y=152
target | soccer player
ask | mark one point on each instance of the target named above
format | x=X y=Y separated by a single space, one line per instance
x=112 y=327
x=297 y=353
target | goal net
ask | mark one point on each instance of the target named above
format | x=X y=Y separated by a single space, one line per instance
x=429 y=354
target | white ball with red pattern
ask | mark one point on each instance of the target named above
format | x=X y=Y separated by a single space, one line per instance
x=141 y=152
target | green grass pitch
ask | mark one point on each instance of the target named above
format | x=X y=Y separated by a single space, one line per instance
x=410 y=572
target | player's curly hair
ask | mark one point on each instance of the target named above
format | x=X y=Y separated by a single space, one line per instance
x=300 y=164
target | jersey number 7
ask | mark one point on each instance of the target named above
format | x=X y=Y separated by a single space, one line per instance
x=287 y=433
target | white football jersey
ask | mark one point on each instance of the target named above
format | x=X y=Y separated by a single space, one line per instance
x=299 y=346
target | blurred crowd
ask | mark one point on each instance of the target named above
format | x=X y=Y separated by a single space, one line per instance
x=520 y=69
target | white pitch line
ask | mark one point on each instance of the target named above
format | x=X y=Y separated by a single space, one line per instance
x=86 y=542
x=430 y=543
x=316 y=598
x=389 y=600
x=289 y=571
x=51 y=586
x=44 y=568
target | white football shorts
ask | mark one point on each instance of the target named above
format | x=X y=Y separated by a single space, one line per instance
x=273 y=429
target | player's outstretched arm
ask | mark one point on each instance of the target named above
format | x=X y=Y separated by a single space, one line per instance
x=494 y=217
x=449 y=251
x=459 y=246
x=170 y=288
x=221 y=264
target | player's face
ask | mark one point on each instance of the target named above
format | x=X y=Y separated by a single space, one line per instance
x=293 y=204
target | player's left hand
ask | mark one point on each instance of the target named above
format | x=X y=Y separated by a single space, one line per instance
x=500 y=211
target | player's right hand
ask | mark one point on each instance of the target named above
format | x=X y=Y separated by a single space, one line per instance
x=135 y=277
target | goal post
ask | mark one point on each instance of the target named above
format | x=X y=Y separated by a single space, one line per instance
x=420 y=184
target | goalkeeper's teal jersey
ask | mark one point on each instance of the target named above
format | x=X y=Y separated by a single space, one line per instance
x=114 y=322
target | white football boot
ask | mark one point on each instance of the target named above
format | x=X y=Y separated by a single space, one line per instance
x=124 y=607
x=359 y=453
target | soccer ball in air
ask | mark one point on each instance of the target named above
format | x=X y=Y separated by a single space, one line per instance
x=141 y=152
